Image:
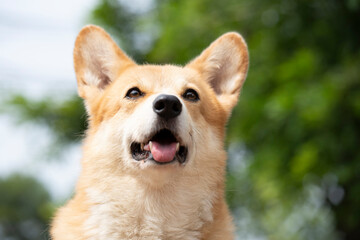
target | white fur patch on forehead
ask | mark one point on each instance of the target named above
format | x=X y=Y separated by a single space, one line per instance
x=158 y=78
x=173 y=74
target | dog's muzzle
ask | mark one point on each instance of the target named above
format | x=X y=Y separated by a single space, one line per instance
x=162 y=148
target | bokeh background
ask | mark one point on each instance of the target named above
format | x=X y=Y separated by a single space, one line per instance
x=293 y=140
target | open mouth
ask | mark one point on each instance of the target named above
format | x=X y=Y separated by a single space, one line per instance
x=162 y=148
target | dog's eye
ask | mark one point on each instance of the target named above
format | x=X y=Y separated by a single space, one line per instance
x=191 y=95
x=133 y=93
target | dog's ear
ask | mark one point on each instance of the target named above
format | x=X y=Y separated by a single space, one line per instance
x=97 y=60
x=224 y=65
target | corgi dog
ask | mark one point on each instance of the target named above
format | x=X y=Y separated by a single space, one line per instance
x=153 y=163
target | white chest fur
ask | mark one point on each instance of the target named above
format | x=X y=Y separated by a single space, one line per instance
x=143 y=213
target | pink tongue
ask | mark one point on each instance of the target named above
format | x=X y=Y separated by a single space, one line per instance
x=163 y=152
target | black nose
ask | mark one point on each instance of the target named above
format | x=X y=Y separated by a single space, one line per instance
x=167 y=106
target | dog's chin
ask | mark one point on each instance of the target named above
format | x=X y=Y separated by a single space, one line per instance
x=160 y=148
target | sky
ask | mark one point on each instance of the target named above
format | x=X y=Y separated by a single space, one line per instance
x=36 y=44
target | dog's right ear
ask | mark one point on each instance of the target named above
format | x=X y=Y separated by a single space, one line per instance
x=224 y=65
x=98 y=60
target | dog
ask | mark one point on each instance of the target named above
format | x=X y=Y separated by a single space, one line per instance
x=153 y=163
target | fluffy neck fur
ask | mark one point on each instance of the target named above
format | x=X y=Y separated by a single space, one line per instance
x=123 y=207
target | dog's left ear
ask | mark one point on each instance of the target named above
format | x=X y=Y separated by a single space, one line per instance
x=98 y=61
x=224 y=65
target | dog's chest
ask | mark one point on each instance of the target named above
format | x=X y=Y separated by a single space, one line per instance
x=180 y=216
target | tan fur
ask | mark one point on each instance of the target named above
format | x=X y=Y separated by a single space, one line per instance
x=120 y=198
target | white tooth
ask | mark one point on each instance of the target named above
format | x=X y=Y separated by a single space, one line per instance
x=177 y=146
x=150 y=145
x=142 y=146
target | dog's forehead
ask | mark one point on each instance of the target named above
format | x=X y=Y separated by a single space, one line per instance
x=159 y=77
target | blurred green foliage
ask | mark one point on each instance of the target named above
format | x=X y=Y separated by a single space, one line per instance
x=293 y=139
x=67 y=119
x=25 y=209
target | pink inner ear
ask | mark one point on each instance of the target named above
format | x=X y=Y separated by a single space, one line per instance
x=97 y=58
x=224 y=64
x=104 y=81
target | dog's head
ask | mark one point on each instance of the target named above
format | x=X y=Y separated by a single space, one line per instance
x=148 y=118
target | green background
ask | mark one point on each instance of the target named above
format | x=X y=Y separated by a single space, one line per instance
x=293 y=139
